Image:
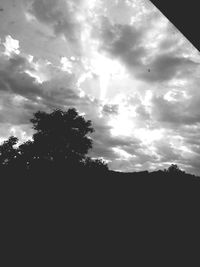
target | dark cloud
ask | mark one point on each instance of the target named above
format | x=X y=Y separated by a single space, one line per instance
x=16 y=110
x=19 y=83
x=121 y=41
x=15 y=80
x=167 y=152
x=60 y=15
x=143 y=114
x=165 y=67
x=174 y=112
x=191 y=135
x=110 y=109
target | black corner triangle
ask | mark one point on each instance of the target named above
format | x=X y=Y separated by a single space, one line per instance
x=184 y=15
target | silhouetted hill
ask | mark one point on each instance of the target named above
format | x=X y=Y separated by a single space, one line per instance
x=146 y=184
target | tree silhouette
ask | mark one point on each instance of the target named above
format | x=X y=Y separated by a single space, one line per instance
x=174 y=169
x=8 y=153
x=96 y=165
x=60 y=137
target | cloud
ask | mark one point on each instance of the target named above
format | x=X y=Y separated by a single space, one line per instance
x=166 y=67
x=113 y=148
x=110 y=109
x=61 y=16
x=121 y=41
x=150 y=53
x=174 y=112
x=18 y=82
x=142 y=113
x=167 y=152
x=11 y=46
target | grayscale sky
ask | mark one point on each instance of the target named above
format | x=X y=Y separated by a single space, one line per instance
x=119 y=62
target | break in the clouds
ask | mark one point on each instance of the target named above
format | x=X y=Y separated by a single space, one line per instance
x=121 y=63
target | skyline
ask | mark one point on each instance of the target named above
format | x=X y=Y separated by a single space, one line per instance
x=120 y=63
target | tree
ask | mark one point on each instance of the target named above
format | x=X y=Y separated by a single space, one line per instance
x=96 y=165
x=60 y=137
x=8 y=153
x=174 y=169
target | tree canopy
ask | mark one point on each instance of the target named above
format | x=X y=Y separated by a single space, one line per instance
x=60 y=135
x=7 y=151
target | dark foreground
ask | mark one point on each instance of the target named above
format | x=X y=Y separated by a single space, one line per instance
x=89 y=215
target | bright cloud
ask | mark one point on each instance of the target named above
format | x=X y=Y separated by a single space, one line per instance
x=11 y=46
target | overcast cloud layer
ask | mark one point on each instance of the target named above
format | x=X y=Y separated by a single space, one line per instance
x=121 y=63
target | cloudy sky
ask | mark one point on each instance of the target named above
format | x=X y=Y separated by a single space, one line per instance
x=119 y=62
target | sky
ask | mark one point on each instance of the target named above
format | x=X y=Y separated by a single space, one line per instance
x=120 y=63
